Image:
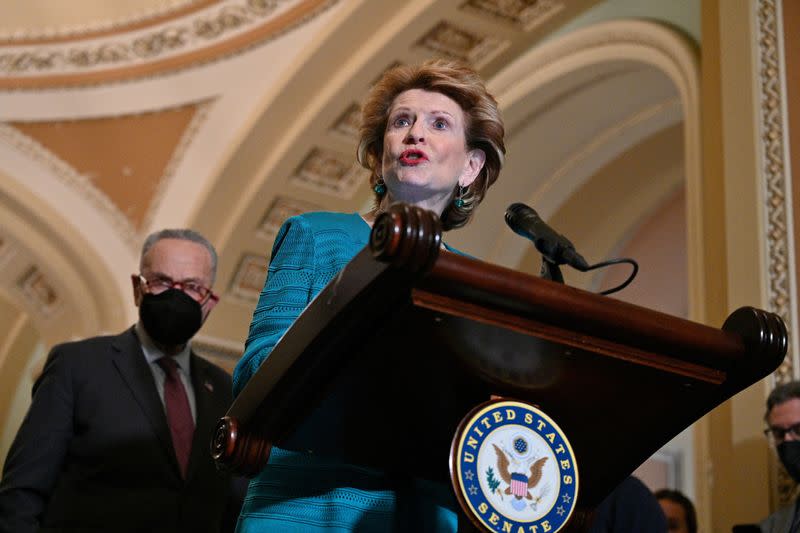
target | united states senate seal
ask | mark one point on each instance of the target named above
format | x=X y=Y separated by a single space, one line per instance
x=513 y=469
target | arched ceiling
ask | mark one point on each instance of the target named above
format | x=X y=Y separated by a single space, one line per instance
x=41 y=19
x=119 y=118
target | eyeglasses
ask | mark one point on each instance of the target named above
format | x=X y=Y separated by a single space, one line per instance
x=778 y=435
x=198 y=292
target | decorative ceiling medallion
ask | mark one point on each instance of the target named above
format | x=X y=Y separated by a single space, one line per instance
x=38 y=291
x=349 y=122
x=458 y=43
x=327 y=172
x=526 y=14
x=229 y=24
x=249 y=278
x=281 y=209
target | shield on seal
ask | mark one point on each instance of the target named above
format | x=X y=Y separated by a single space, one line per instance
x=519 y=485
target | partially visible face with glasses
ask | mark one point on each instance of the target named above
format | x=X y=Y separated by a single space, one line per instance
x=198 y=292
x=180 y=264
x=783 y=422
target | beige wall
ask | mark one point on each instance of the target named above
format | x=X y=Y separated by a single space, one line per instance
x=739 y=263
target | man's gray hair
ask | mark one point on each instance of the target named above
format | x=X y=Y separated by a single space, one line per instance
x=184 y=235
x=782 y=394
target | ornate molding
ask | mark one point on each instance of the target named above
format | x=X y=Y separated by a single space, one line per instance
x=281 y=209
x=78 y=31
x=458 y=43
x=39 y=292
x=348 y=123
x=777 y=191
x=249 y=278
x=526 y=14
x=221 y=22
x=329 y=173
x=774 y=159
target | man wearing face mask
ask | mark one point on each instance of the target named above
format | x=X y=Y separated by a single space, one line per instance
x=783 y=430
x=117 y=435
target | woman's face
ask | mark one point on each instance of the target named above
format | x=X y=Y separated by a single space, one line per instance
x=424 y=150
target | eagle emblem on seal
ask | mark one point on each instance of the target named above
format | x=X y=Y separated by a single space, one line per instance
x=519 y=483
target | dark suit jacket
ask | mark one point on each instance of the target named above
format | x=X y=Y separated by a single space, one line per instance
x=780 y=521
x=94 y=452
x=629 y=508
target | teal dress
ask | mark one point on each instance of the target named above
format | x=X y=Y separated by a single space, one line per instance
x=298 y=490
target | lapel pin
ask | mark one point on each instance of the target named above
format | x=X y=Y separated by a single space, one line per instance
x=209 y=386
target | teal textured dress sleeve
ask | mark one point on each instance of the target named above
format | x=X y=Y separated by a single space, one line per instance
x=309 y=251
x=288 y=289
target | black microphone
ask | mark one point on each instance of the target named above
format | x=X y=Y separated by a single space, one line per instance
x=552 y=245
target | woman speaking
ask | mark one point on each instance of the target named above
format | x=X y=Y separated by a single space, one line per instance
x=431 y=136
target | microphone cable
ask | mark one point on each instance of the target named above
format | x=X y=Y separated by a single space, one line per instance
x=555 y=248
x=618 y=261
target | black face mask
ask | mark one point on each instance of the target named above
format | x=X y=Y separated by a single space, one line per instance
x=789 y=452
x=170 y=318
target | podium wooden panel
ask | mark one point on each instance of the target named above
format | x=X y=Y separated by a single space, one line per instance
x=384 y=363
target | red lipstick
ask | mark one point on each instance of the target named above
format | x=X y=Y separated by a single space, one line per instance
x=413 y=157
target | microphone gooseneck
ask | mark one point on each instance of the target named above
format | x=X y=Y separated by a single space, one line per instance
x=556 y=248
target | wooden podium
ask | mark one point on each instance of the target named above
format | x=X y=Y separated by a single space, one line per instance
x=409 y=338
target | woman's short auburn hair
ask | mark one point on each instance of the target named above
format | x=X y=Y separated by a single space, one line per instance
x=483 y=129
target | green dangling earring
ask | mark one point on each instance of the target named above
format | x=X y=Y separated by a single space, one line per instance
x=379 y=187
x=459 y=201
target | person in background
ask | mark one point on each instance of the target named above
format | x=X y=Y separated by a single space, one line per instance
x=630 y=508
x=783 y=431
x=431 y=136
x=118 y=431
x=679 y=510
